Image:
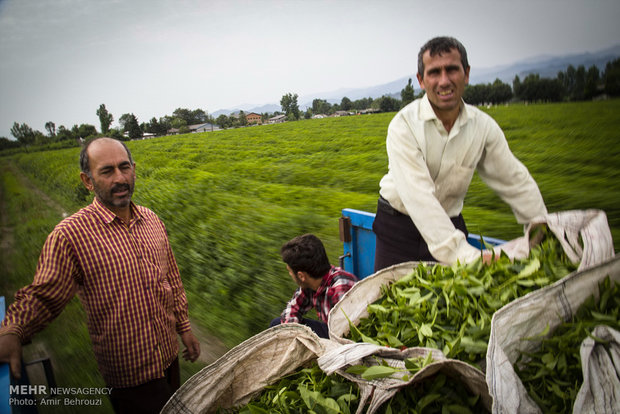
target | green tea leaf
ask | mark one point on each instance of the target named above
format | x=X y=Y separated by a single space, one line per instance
x=379 y=371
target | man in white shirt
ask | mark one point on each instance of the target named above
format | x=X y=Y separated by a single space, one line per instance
x=434 y=145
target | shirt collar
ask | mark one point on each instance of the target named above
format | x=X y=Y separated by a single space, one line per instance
x=326 y=280
x=108 y=216
x=427 y=113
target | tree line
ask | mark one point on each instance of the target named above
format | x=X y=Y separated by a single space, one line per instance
x=573 y=84
x=129 y=128
x=385 y=103
x=290 y=109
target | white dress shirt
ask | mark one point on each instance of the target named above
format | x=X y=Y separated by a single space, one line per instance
x=430 y=170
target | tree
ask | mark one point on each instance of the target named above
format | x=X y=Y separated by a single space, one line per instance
x=475 y=94
x=407 y=95
x=580 y=83
x=197 y=116
x=345 y=104
x=363 y=103
x=223 y=121
x=64 y=134
x=611 y=78
x=517 y=87
x=129 y=124
x=499 y=92
x=290 y=106
x=243 y=120
x=155 y=127
x=537 y=89
x=320 y=106
x=590 y=89
x=51 y=128
x=387 y=104
x=6 y=143
x=178 y=123
x=84 y=131
x=105 y=119
x=23 y=133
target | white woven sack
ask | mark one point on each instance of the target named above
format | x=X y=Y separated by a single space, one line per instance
x=247 y=369
x=528 y=316
x=377 y=392
x=354 y=303
x=600 y=392
x=584 y=235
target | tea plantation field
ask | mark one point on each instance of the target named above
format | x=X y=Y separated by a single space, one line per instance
x=231 y=198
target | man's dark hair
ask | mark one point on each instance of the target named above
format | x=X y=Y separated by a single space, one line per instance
x=306 y=253
x=440 y=45
x=85 y=161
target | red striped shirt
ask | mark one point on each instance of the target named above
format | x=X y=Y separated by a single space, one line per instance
x=334 y=285
x=128 y=282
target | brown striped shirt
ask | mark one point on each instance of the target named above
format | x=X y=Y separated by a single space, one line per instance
x=128 y=282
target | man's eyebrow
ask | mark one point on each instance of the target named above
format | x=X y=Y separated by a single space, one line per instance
x=446 y=67
x=121 y=164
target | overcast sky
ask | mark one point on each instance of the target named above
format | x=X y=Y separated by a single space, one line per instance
x=61 y=59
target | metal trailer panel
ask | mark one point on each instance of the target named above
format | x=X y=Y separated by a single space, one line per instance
x=358 y=241
x=5 y=379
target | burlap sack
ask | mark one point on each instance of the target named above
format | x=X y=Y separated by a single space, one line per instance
x=246 y=369
x=528 y=316
x=375 y=393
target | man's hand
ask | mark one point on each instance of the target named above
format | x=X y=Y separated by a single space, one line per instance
x=192 y=346
x=11 y=353
x=488 y=257
x=537 y=234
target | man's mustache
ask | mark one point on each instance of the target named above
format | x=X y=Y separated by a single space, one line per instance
x=120 y=187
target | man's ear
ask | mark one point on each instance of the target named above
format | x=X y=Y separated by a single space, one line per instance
x=87 y=181
x=420 y=81
x=303 y=276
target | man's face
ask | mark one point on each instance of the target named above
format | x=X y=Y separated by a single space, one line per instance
x=444 y=80
x=295 y=278
x=112 y=175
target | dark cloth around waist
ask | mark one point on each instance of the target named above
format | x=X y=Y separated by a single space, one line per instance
x=398 y=240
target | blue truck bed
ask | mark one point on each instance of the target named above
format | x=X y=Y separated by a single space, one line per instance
x=359 y=242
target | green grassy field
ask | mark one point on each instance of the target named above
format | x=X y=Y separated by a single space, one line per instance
x=231 y=198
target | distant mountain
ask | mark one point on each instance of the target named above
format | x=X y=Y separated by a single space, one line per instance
x=546 y=66
x=247 y=108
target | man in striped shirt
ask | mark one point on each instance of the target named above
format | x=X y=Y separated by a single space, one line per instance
x=321 y=285
x=116 y=257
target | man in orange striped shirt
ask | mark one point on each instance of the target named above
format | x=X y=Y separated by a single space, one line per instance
x=116 y=257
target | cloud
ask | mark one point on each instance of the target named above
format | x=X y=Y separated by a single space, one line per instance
x=62 y=58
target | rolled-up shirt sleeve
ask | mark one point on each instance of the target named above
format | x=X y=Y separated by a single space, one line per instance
x=300 y=303
x=53 y=286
